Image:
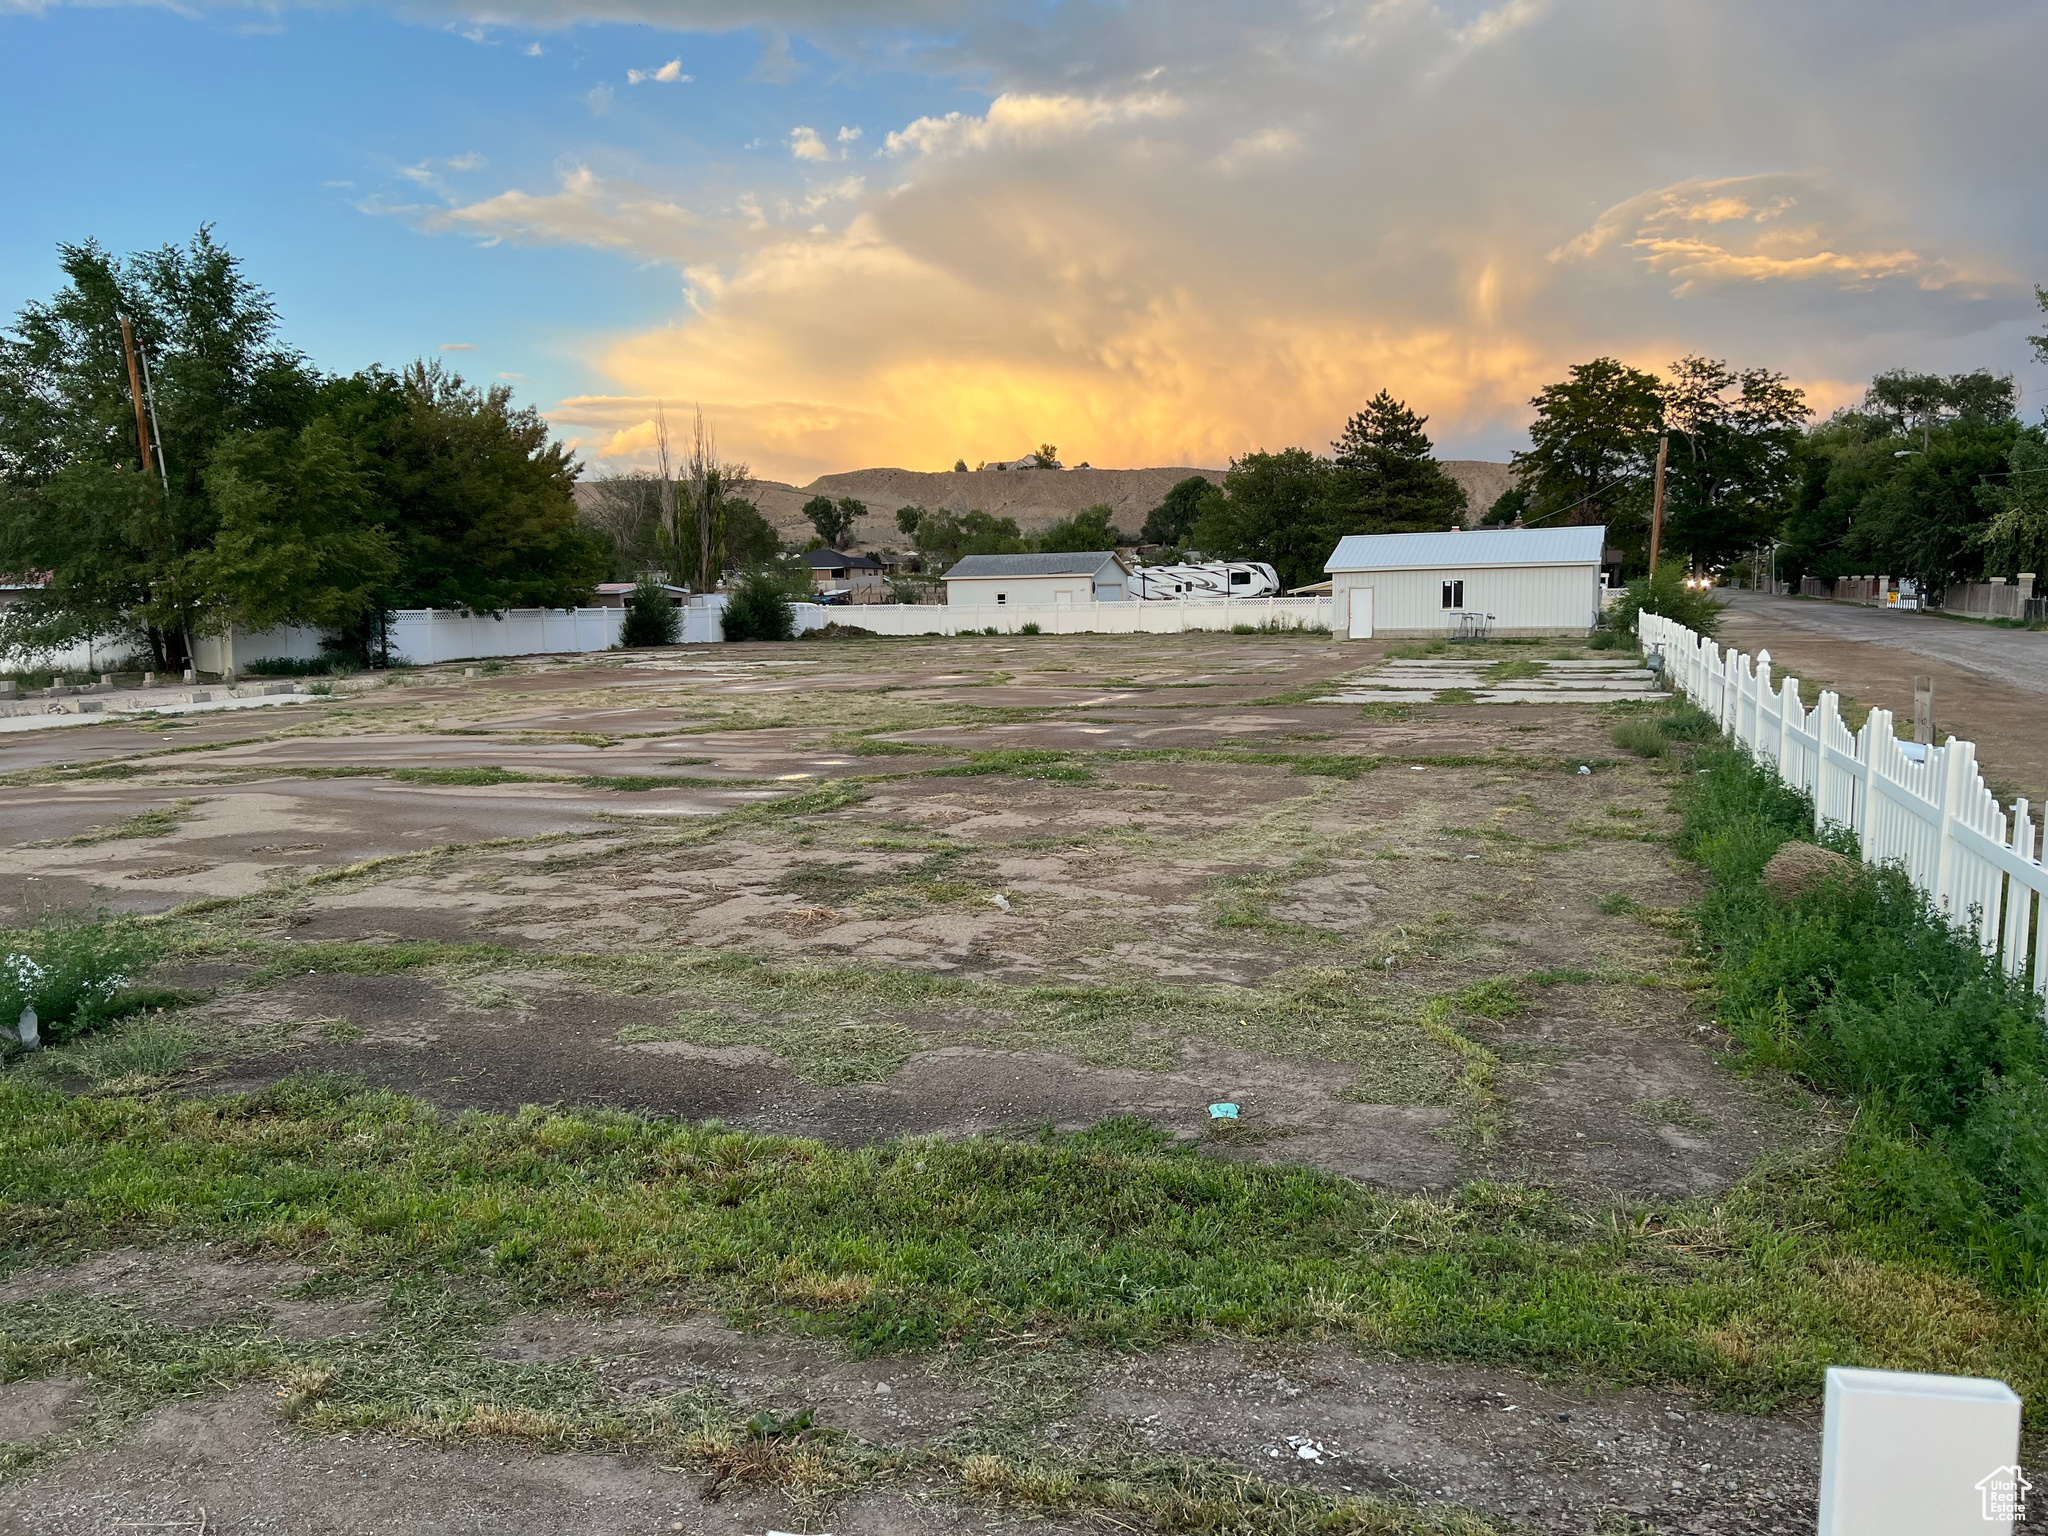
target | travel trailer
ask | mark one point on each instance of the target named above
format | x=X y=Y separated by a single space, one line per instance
x=1205 y=579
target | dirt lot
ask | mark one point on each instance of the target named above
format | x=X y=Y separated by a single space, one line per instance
x=861 y=890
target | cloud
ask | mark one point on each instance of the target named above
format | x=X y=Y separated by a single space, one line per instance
x=457 y=346
x=1017 y=121
x=582 y=209
x=670 y=73
x=1267 y=144
x=1775 y=228
x=776 y=66
x=599 y=99
x=534 y=50
x=805 y=144
x=1171 y=230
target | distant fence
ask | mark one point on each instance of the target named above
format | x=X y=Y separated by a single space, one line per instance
x=1924 y=809
x=1114 y=618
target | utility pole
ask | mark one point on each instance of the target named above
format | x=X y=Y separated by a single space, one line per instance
x=135 y=390
x=1657 y=504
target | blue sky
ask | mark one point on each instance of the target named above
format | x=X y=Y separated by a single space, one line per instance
x=1151 y=232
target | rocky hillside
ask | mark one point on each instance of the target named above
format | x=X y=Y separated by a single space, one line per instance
x=1034 y=497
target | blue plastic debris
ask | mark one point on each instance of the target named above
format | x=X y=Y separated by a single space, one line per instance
x=1222 y=1111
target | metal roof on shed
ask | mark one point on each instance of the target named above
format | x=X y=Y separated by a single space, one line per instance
x=1034 y=565
x=1464 y=551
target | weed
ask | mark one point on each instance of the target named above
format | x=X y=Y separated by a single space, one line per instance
x=1514 y=669
x=1861 y=987
x=1455 y=696
x=1620 y=904
x=1642 y=737
x=71 y=970
x=161 y=822
x=1030 y=628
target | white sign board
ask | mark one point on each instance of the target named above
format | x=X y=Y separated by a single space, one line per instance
x=1910 y=1455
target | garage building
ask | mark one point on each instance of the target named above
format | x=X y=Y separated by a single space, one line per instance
x=1509 y=582
x=1038 y=581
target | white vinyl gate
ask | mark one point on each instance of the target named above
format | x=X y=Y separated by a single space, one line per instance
x=1928 y=812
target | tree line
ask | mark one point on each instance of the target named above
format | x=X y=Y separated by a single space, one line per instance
x=275 y=493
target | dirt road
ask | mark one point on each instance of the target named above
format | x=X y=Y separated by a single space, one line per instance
x=1990 y=685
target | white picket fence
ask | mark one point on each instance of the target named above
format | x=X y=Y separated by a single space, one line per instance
x=1925 y=809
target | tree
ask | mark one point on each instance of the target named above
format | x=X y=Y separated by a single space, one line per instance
x=759 y=610
x=1387 y=478
x=1908 y=403
x=1509 y=507
x=907 y=519
x=944 y=537
x=297 y=541
x=750 y=539
x=1733 y=468
x=2016 y=537
x=1173 y=519
x=1592 y=447
x=834 y=520
x=651 y=616
x=691 y=532
x=1088 y=529
x=1045 y=456
x=479 y=500
x=623 y=512
x=1274 y=507
x=959 y=466
x=118 y=548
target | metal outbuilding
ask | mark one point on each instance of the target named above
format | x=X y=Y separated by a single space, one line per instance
x=1503 y=581
x=1098 y=576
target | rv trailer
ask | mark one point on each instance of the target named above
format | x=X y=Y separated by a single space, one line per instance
x=1205 y=579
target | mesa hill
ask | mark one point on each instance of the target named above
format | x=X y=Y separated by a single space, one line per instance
x=1036 y=498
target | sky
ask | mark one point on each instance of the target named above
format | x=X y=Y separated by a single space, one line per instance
x=1150 y=232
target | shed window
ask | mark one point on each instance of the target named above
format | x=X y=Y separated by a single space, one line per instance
x=1002 y=597
x=1454 y=594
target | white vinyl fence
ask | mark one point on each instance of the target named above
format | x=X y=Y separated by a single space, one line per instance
x=1114 y=618
x=1925 y=809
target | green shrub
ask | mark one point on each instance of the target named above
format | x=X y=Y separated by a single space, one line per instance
x=289 y=666
x=1030 y=628
x=1861 y=988
x=1666 y=593
x=1607 y=640
x=759 y=610
x=71 y=970
x=991 y=630
x=652 y=617
x=1686 y=721
x=1645 y=738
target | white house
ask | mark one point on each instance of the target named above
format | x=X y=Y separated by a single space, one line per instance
x=1038 y=581
x=1504 y=581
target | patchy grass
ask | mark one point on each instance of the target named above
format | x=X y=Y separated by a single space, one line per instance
x=161 y=822
x=1645 y=738
x=1112 y=1238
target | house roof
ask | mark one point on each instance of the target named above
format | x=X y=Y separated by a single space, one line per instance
x=1469 y=550
x=628 y=586
x=833 y=560
x=1088 y=564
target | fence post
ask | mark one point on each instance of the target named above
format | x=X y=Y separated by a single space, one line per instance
x=1957 y=759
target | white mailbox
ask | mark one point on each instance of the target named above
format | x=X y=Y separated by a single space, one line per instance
x=1910 y=1455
